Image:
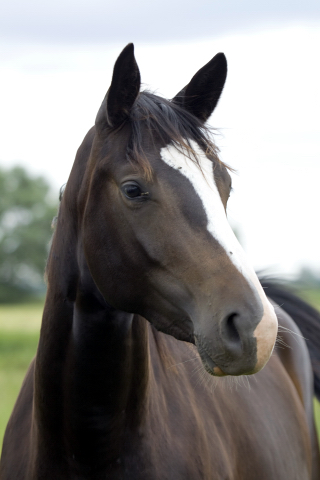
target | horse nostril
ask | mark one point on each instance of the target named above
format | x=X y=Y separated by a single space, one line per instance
x=231 y=331
x=238 y=346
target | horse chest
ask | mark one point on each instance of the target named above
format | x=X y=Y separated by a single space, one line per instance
x=218 y=435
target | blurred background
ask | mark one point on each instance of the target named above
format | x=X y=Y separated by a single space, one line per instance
x=56 y=61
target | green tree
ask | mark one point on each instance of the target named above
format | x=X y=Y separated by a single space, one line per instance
x=26 y=213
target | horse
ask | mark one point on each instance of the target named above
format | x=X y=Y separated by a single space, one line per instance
x=153 y=315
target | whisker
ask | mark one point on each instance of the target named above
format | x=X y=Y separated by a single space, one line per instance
x=246 y=379
x=280 y=341
x=181 y=363
x=199 y=378
x=198 y=369
x=285 y=329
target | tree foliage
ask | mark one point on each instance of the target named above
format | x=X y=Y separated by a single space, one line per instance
x=26 y=213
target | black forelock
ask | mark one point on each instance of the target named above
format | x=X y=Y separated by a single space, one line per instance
x=167 y=123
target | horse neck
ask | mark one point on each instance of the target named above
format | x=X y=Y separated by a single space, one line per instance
x=92 y=364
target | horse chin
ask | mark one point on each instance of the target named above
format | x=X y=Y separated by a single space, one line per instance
x=209 y=365
x=224 y=366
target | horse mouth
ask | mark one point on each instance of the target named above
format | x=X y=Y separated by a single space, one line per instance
x=223 y=364
x=210 y=366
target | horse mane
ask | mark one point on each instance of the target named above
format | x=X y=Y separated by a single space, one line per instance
x=171 y=124
x=305 y=316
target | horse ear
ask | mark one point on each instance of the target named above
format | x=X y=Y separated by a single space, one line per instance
x=202 y=94
x=123 y=91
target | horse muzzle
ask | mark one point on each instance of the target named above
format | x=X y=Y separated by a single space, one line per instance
x=239 y=342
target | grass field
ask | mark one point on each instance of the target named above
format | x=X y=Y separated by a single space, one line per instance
x=311 y=295
x=19 y=334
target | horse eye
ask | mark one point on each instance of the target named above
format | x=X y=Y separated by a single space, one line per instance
x=132 y=190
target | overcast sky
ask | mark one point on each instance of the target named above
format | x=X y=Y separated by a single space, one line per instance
x=76 y=21
x=56 y=65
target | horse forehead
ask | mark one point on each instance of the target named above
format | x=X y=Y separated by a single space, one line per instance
x=201 y=176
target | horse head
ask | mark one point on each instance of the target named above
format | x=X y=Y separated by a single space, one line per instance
x=154 y=228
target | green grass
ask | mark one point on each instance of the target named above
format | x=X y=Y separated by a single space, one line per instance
x=16 y=351
x=312 y=295
x=25 y=317
x=19 y=334
x=317 y=415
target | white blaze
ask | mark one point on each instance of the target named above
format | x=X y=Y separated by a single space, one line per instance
x=204 y=184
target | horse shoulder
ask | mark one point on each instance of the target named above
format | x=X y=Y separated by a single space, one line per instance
x=191 y=418
x=293 y=353
x=294 y=356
